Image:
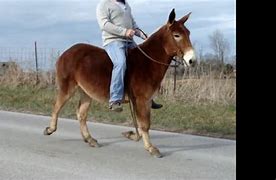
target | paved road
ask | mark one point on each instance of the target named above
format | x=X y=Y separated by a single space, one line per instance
x=25 y=153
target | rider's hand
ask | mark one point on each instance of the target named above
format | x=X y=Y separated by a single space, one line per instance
x=140 y=34
x=130 y=33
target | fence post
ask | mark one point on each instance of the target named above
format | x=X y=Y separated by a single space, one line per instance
x=36 y=65
x=174 y=80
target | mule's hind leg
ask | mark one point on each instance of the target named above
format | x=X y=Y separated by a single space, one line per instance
x=62 y=97
x=143 y=108
x=82 y=113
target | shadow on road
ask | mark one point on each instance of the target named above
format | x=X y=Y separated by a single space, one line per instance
x=166 y=150
x=173 y=149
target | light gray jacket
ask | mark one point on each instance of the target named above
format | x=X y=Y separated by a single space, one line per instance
x=114 y=21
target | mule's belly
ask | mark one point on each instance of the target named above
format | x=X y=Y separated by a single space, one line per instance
x=94 y=85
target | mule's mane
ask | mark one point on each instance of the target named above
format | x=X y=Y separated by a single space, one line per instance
x=154 y=48
x=154 y=35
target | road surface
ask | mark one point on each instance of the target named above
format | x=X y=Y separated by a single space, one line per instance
x=25 y=153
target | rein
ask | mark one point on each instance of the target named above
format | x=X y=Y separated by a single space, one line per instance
x=145 y=54
x=150 y=58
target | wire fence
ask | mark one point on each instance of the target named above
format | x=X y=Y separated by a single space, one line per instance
x=26 y=59
x=41 y=60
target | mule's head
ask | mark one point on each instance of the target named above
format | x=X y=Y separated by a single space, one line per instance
x=177 y=39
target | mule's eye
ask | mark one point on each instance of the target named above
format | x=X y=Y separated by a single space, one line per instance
x=176 y=36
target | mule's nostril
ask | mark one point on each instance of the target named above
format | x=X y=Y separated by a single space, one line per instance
x=190 y=61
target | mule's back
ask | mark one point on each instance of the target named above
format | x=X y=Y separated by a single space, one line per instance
x=87 y=66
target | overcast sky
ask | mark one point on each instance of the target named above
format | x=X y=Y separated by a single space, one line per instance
x=61 y=23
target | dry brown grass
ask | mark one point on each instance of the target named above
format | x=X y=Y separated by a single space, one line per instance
x=14 y=76
x=206 y=89
x=193 y=90
x=204 y=105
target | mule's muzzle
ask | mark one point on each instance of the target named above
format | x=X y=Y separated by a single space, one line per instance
x=192 y=63
x=190 y=58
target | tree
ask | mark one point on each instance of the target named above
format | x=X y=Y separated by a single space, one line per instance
x=219 y=45
x=199 y=51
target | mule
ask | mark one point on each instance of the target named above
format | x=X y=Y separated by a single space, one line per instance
x=88 y=68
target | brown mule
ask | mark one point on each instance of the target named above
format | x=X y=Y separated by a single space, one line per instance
x=89 y=68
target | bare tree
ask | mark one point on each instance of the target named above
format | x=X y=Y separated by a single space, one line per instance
x=219 y=45
x=199 y=50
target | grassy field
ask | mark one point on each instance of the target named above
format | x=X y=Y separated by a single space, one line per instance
x=196 y=107
x=205 y=105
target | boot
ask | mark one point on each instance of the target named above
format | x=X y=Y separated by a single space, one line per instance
x=154 y=105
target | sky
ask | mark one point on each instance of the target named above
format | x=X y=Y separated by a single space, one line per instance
x=62 y=23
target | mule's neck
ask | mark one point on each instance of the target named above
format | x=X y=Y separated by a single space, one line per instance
x=154 y=48
x=142 y=70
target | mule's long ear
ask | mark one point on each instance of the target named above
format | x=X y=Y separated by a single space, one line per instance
x=185 y=18
x=171 y=17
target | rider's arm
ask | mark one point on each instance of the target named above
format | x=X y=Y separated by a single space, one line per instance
x=105 y=23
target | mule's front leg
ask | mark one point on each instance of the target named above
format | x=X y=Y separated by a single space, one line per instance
x=148 y=146
x=143 y=117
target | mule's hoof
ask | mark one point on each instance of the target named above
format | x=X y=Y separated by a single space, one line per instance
x=131 y=135
x=93 y=143
x=96 y=145
x=86 y=140
x=46 y=131
x=127 y=134
x=155 y=152
x=158 y=155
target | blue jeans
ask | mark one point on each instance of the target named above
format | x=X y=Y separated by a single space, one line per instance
x=116 y=50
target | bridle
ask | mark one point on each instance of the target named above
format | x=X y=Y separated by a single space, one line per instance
x=158 y=62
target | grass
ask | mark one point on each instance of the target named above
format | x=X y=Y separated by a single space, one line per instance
x=194 y=114
x=205 y=119
x=205 y=105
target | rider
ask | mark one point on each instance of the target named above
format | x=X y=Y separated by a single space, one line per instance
x=118 y=28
